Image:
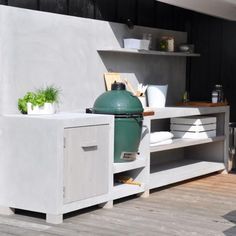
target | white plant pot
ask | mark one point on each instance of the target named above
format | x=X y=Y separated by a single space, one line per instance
x=46 y=109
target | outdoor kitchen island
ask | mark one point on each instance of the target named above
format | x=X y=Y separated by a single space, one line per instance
x=64 y=162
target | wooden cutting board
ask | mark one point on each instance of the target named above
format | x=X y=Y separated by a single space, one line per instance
x=110 y=78
x=201 y=104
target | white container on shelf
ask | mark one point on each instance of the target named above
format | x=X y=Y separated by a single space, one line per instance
x=136 y=43
x=157 y=95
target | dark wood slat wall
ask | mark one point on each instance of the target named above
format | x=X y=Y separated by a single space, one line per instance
x=228 y=65
x=213 y=38
x=126 y=10
x=142 y=12
x=163 y=16
x=29 y=4
x=145 y=13
x=56 y=6
x=106 y=10
x=199 y=83
x=82 y=8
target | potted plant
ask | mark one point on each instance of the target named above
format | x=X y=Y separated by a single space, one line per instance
x=40 y=102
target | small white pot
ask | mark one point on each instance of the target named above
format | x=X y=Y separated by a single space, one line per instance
x=46 y=109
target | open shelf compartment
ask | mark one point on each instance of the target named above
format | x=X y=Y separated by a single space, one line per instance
x=181 y=142
x=173 y=172
x=139 y=176
x=123 y=190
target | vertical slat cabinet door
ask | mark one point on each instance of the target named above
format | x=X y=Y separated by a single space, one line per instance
x=86 y=159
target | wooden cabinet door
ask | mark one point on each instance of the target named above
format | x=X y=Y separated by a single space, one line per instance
x=86 y=159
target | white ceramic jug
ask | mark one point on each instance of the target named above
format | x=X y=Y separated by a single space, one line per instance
x=157 y=95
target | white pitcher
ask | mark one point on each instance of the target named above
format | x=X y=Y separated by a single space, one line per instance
x=157 y=95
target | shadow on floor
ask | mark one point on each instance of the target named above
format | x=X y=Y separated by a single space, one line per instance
x=73 y=213
x=231 y=217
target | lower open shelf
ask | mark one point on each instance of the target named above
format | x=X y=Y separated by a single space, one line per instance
x=124 y=190
x=180 y=170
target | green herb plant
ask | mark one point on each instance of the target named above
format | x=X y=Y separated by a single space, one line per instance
x=49 y=94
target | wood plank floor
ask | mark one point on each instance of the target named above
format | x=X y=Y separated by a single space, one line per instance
x=205 y=206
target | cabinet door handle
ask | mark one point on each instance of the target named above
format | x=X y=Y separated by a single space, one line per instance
x=90 y=146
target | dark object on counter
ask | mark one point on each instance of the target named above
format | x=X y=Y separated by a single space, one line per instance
x=232 y=144
x=217 y=94
x=130 y=24
x=186 y=48
x=128 y=113
x=89 y=110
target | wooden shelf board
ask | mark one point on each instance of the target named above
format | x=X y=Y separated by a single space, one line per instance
x=177 y=171
x=131 y=165
x=149 y=52
x=123 y=190
x=201 y=104
x=181 y=142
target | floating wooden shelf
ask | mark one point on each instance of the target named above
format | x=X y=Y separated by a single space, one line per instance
x=201 y=104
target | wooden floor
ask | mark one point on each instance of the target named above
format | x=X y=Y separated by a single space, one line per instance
x=205 y=206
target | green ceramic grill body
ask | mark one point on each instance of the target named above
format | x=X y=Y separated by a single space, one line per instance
x=128 y=119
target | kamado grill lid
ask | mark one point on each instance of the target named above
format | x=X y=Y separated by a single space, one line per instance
x=117 y=101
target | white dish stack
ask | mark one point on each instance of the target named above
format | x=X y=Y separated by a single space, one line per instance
x=194 y=127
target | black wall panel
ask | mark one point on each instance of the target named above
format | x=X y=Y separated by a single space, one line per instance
x=149 y=13
x=82 y=8
x=30 y=4
x=200 y=88
x=146 y=13
x=228 y=62
x=126 y=10
x=163 y=16
x=57 y=6
x=106 y=10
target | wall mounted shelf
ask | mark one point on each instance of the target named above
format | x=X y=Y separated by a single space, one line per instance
x=148 y=52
